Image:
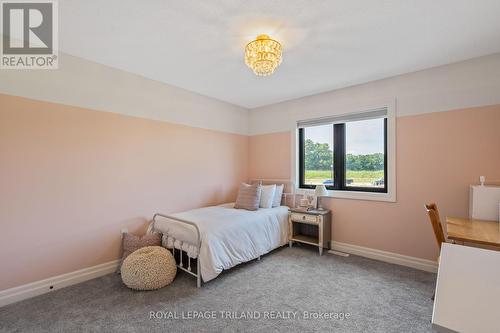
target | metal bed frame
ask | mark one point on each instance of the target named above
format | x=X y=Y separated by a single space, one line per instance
x=180 y=263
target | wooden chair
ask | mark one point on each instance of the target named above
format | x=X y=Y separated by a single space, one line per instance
x=433 y=213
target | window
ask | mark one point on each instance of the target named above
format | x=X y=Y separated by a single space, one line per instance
x=318 y=155
x=348 y=154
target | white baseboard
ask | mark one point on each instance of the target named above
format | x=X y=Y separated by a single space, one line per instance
x=390 y=257
x=36 y=288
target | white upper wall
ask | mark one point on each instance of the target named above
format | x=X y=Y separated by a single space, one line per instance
x=465 y=84
x=86 y=84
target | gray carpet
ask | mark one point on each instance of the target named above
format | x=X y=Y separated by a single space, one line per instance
x=378 y=297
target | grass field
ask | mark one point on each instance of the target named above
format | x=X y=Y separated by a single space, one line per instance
x=360 y=178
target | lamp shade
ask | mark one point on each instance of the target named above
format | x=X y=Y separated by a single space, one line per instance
x=321 y=191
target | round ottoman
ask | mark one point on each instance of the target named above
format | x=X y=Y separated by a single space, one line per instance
x=149 y=268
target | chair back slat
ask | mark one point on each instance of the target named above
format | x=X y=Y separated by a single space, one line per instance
x=433 y=213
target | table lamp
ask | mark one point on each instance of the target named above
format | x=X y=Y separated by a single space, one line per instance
x=320 y=192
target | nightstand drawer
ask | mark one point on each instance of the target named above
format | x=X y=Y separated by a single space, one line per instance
x=304 y=218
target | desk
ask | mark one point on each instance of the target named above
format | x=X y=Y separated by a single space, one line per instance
x=473 y=231
x=467 y=290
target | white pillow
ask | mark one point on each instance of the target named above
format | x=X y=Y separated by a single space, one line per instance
x=267 y=196
x=277 y=195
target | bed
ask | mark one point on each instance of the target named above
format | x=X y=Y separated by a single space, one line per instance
x=208 y=240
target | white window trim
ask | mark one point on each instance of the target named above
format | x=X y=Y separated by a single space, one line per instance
x=390 y=196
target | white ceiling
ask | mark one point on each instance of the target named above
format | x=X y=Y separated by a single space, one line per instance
x=198 y=44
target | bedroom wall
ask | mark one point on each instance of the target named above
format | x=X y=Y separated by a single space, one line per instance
x=448 y=121
x=270 y=156
x=87 y=150
x=438 y=156
x=90 y=85
x=80 y=161
x=71 y=178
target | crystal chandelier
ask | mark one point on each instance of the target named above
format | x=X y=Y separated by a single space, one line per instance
x=263 y=55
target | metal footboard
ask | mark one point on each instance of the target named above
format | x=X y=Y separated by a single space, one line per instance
x=180 y=264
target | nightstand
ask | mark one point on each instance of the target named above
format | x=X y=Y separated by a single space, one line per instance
x=311 y=227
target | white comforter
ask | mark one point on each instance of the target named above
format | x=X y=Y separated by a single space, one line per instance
x=229 y=236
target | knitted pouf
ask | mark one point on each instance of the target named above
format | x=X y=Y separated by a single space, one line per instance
x=149 y=268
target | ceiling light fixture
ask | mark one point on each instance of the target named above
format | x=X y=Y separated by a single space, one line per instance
x=263 y=55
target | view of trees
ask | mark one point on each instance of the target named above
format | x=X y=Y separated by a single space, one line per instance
x=319 y=156
x=369 y=162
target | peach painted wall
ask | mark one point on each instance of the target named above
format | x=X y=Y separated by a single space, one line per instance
x=71 y=178
x=438 y=156
x=270 y=156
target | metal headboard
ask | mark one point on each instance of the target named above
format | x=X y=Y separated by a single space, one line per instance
x=288 y=197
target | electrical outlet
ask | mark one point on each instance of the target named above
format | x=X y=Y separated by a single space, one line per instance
x=124 y=231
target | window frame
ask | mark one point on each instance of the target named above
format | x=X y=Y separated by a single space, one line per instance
x=339 y=166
